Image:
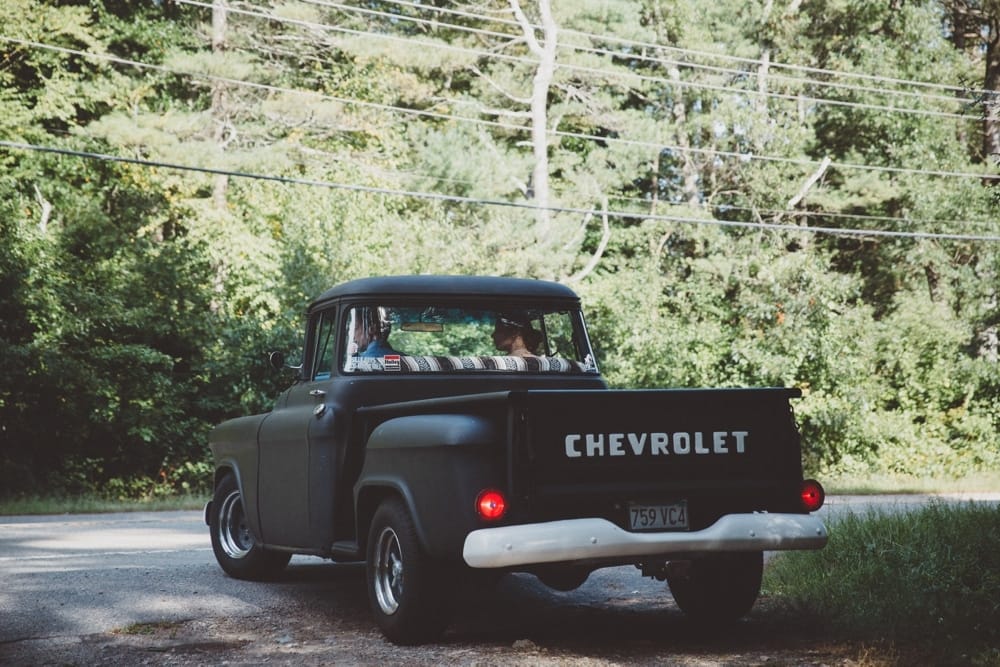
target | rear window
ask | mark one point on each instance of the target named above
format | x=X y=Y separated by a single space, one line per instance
x=448 y=339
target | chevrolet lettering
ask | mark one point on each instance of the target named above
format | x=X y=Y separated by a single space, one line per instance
x=436 y=428
x=656 y=444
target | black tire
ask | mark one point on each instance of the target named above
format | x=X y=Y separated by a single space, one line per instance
x=406 y=588
x=718 y=588
x=235 y=547
x=563 y=577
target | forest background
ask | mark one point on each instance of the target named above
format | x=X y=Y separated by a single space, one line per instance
x=799 y=194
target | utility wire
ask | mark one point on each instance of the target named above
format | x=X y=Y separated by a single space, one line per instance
x=808 y=213
x=729 y=71
x=707 y=152
x=254 y=84
x=315 y=158
x=642 y=77
x=623 y=73
x=703 y=54
x=432 y=196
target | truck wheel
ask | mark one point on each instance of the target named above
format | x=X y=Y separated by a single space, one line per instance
x=234 y=545
x=717 y=588
x=563 y=577
x=406 y=588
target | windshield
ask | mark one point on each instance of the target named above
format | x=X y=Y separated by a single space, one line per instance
x=415 y=339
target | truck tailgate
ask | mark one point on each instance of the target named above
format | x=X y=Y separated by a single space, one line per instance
x=603 y=453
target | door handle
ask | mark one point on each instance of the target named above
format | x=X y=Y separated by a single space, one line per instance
x=320 y=407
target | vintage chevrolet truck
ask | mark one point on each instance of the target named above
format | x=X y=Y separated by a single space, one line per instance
x=443 y=426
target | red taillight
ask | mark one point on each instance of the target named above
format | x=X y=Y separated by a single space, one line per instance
x=491 y=504
x=812 y=495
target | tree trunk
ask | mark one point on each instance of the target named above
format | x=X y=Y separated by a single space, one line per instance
x=959 y=40
x=654 y=185
x=762 y=72
x=219 y=19
x=689 y=167
x=991 y=111
x=765 y=60
x=545 y=51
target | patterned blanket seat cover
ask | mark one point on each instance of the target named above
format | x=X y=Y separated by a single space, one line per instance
x=406 y=363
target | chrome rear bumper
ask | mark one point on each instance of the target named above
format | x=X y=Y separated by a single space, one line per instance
x=585 y=539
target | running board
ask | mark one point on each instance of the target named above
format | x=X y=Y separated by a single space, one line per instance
x=346 y=550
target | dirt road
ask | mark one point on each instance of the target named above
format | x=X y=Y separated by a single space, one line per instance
x=124 y=589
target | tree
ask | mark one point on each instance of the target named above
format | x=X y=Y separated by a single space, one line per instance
x=672 y=161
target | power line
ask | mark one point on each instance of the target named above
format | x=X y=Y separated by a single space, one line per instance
x=806 y=213
x=951 y=99
x=642 y=77
x=432 y=196
x=705 y=54
x=710 y=153
x=590 y=70
x=251 y=84
x=315 y=157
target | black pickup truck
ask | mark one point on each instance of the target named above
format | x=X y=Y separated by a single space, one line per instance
x=443 y=426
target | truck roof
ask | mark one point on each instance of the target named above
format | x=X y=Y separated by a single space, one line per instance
x=493 y=286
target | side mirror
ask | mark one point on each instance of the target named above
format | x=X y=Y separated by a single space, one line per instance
x=277 y=360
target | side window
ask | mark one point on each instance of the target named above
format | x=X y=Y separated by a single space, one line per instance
x=325 y=343
x=558 y=328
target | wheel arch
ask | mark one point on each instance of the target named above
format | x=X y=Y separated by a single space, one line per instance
x=370 y=495
x=230 y=466
x=237 y=550
x=234 y=448
x=437 y=464
x=227 y=468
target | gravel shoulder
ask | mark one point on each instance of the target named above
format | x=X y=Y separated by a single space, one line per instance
x=517 y=623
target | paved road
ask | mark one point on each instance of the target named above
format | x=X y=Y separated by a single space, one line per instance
x=69 y=576
x=82 y=574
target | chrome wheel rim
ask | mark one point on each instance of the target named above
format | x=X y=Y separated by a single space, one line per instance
x=388 y=571
x=234 y=533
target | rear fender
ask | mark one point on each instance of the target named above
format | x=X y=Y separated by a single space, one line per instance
x=437 y=464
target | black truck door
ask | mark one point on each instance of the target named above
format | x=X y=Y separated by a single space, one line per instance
x=289 y=466
x=283 y=498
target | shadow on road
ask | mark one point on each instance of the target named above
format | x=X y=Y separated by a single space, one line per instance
x=616 y=613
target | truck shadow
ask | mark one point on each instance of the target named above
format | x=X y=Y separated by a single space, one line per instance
x=614 y=605
x=616 y=612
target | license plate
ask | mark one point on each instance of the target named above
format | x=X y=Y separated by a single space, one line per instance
x=672 y=516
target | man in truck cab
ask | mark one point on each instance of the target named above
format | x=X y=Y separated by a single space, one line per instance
x=514 y=335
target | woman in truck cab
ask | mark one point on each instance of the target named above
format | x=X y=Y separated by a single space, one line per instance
x=371 y=332
x=514 y=335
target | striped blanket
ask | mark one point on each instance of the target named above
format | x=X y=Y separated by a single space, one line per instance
x=405 y=363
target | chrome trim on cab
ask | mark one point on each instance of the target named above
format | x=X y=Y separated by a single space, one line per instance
x=582 y=539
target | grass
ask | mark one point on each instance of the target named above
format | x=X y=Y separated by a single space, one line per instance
x=93 y=504
x=876 y=484
x=146 y=629
x=929 y=578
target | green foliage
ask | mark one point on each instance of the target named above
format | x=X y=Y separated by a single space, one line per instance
x=930 y=577
x=138 y=303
